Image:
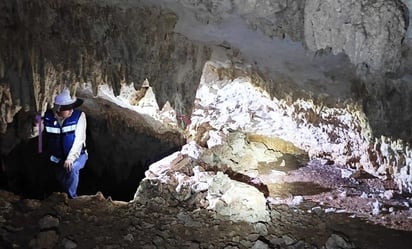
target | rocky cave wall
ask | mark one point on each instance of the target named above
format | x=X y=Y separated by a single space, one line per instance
x=50 y=44
x=368 y=38
x=47 y=45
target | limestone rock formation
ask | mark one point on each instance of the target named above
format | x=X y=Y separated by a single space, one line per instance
x=46 y=46
x=182 y=180
x=258 y=127
x=330 y=77
x=371 y=33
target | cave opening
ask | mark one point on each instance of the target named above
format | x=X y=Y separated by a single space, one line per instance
x=121 y=144
x=28 y=173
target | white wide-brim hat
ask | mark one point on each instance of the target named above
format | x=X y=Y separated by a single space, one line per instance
x=64 y=101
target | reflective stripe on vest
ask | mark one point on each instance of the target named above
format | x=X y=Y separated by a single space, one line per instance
x=64 y=129
x=53 y=130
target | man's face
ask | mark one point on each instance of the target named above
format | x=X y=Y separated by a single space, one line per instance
x=65 y=113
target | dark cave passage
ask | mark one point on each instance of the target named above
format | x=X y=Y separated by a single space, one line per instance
x=28 y=173
x=91 y=182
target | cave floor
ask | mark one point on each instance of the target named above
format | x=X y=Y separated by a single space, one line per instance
x=309 y=208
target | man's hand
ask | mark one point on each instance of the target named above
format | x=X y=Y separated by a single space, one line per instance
x=68 y=165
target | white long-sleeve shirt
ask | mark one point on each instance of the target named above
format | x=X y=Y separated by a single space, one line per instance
x=80 y=138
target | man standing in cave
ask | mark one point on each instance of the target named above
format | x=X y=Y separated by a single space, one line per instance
x=65 y=133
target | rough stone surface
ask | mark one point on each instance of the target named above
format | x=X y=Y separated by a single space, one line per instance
x=114 y=42
x=369 y=32
x=351 y=95
x=340 y=134
x=336 y=212
x=50 y=45
x=179 y=179
x=279 y=18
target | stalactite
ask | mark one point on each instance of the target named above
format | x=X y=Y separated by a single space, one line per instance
x=94 y=85
x=36 y=78
x=2 y=68
x=72 y=42
x=20 y=62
